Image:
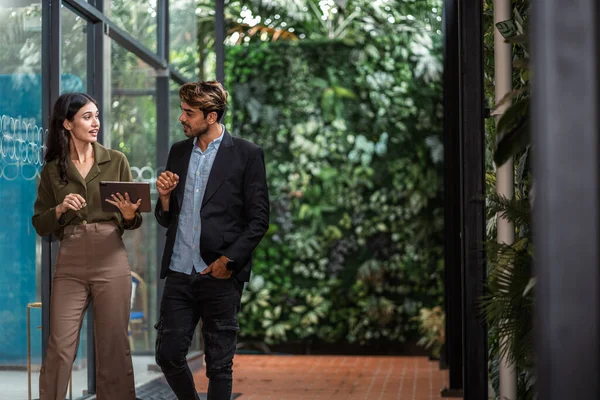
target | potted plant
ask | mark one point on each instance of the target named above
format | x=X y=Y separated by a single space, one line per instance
x=432 y=324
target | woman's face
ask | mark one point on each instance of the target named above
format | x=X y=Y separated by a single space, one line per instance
x=85 y=124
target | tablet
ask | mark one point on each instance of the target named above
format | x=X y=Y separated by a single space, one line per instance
x=136 y=190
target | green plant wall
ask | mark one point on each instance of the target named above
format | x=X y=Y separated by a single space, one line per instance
x=352 y=141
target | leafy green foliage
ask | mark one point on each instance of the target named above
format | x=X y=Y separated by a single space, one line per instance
x=513 y=131
x=432 y=325
x=352 y=144
x=508 y=304
x=513 y=134
x=356 y=21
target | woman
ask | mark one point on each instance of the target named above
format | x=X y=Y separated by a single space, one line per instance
x=92 y=262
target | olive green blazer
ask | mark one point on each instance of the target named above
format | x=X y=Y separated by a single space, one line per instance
x=109 y=165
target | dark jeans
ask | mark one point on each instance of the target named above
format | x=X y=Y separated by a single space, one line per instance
x=187 y=299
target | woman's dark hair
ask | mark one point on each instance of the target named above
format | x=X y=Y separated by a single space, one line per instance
x=59 y=139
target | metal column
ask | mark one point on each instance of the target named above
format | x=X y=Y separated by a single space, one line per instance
x=163 y=112
x=51 y=50
x=472 y=142
x=452 y=205
x=95 y=87
x=505 y=181
x=566 y=129
x=220 y=39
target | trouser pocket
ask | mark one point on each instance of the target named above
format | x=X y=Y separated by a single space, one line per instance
x=159 y=333
x=220 y=339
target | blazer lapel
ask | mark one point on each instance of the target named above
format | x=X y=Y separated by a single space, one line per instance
x=220 y=167
x=181 y=169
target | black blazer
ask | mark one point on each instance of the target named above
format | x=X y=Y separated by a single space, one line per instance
x=235 y=207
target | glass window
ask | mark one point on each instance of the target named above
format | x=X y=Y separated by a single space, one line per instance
x=192 y=35
x=21 y=148
x=175 y=135
x=74 y=59
x=175 y=128
x=131 y=128
x=136 y=18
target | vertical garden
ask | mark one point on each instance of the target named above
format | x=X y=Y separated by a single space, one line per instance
x=348 y=108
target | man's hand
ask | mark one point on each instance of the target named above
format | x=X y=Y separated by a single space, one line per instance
x=165 y=184
x=218 y=269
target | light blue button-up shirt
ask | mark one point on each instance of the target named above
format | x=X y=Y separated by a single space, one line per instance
x=186 y=251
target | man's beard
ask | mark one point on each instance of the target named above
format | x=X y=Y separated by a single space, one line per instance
x=199 y=132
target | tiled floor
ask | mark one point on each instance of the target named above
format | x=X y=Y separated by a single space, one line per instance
x=334 y=377
x=13 y=384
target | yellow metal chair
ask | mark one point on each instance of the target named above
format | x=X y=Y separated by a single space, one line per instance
x=138 y=317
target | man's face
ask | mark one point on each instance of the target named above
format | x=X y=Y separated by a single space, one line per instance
x=193 y=121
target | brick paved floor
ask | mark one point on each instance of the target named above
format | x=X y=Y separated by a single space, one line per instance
x=260 y=377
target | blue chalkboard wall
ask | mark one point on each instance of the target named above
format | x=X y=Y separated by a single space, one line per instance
x=20 y=152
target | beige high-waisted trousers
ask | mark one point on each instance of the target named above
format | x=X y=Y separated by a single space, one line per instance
x=91 y=265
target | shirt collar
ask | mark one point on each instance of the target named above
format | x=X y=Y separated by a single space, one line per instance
x=214 y=143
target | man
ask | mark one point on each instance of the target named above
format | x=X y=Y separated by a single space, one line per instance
x=215 y=205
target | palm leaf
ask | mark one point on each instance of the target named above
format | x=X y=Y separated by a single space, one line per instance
x=513 y=131
x=522 y=40
x=509 y=302
x=258 y=30
x=508 y=97
x=516 y=210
